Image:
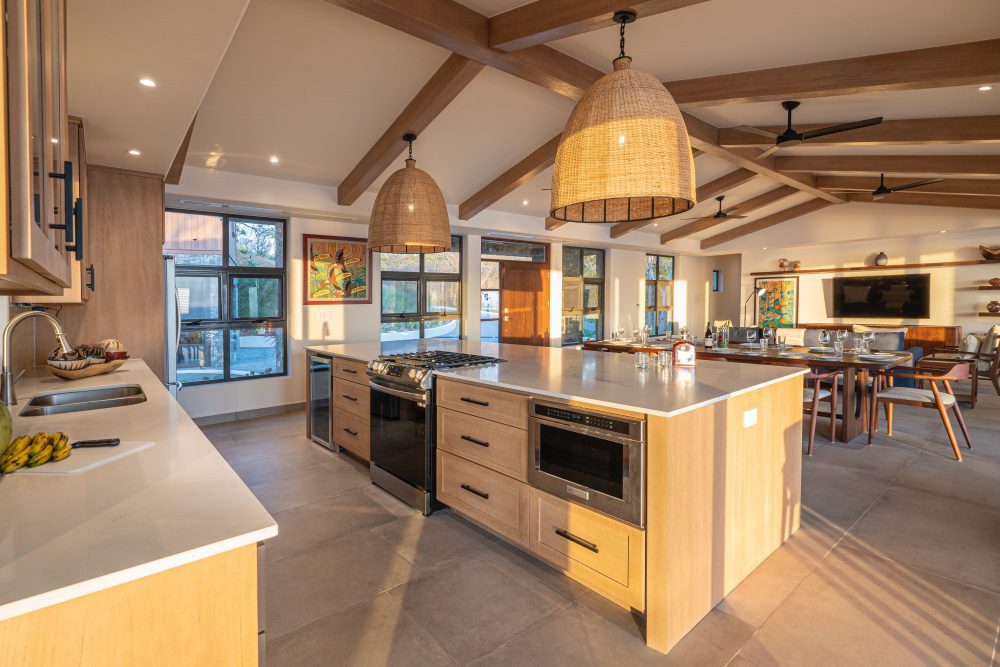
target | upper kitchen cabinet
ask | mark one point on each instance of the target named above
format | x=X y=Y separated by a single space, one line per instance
x=44 y=212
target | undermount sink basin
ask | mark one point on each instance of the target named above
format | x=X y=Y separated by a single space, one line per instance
x=78 y=400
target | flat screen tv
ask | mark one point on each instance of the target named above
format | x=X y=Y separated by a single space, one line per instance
x=903 y=296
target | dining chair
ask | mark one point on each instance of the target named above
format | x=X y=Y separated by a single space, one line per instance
x=812 y=394
x=932 y=398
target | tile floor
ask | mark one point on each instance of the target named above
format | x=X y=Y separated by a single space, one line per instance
x=897 y=563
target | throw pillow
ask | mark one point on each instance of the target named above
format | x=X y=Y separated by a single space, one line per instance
x=861 y=328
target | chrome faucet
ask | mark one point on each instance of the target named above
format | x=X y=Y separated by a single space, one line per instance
x=7 y=395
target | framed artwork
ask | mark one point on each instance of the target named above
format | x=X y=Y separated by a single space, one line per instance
x=337 y=270
x=779 y=307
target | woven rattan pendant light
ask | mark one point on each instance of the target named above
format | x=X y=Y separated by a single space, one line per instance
x=625 y=153
x=409 y=213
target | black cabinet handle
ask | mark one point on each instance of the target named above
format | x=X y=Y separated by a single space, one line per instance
x=350 y=398
x=351 y=371
x=91 y=282
x=67 y=178
x=485 y=404
x=77 y=247
x=481 y=494
x=350 y=432
x=576 y=540
x=481 y=443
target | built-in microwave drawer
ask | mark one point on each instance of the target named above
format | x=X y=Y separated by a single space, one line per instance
x=353 y=398
x=348 y=369
x=494 y=404
x=352 y=433
x=498 y=446
x=495 y=501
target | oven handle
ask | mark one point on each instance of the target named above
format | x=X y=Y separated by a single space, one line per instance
x=593 y=432
x=399 y=393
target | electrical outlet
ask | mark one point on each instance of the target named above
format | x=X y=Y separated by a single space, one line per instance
x=324 y=315
x=749 y=418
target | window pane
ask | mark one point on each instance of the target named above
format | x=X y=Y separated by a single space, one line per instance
x=194 y=239
x=513 y=250
x=400 y=330
x=666 y=268
x=489 y=332
x=442 y=296
x=650 y=295
x=490 y=276
x=391 y=261
x=571 y=330
x=199 y=356
x=490 y=308
x=591 y=326
x=650 y=267
x=444 y=262
x=662 y=322
x=399 y=296
x=198 y=297
x=571 y=262
x=662 y=295
x=256 y=351
x=255 y=243
x=591 y=296
x=254 y=298
x=593 y=263
x=442 y=328
x=651 y=320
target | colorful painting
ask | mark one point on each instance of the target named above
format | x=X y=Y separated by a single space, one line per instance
x=337 y=270
x=779 y=307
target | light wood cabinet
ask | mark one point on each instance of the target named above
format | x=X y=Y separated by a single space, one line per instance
x=497 y=446
x=489 y=498
x=351 y=415
x=350 y=370
x=352 y=433
x=497 y=405
x=352 y=397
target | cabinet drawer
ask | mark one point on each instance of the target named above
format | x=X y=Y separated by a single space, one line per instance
x=352 y=397
x=347 y=369
x=497 y=446
x=496 y=501
x=494 y=404
x=351 y=432
x=605 y=554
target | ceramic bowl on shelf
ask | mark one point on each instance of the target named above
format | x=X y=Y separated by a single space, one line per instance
x=992 y=254
x=995 y=282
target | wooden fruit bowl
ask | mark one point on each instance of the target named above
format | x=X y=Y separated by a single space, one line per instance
x=989 y=253
x=89 y=371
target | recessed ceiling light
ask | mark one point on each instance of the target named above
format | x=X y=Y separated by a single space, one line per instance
x=274 y=159
x=943 y=231
x=146 y=81
x=524 y=202
x=656 y=224
x=985 y=89
x=763 y=248
x=134 y=151
x=54 y=140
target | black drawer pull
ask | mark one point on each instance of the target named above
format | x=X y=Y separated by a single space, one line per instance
x=481 y=443
x=350 y=432
x=349 y=397
x=576 y=540
x=485 y=404
x=484 y=496
x=350 y=370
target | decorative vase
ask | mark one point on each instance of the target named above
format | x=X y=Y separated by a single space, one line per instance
x=993 y=306
x=794 y=266
x=995 y=282
x=782 y=264
x=989 y=253
x=881 y=259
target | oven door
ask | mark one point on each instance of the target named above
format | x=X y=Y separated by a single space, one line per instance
x=400 y=433
x=598 y=470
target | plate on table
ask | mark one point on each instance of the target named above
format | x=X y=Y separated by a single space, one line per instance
x=822 y=350
x=877 y=357
x=746 y=345
x=793 y=355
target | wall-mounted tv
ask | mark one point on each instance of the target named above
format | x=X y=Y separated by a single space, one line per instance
x=903 y=296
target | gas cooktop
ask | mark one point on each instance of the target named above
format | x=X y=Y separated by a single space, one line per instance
x=437 y=359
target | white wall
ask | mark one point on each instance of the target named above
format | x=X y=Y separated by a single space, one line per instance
x=727 y=302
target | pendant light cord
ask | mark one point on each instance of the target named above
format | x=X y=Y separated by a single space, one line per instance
x=621 y=39
x=410 y=153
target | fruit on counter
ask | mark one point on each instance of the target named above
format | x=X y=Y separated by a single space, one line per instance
x=33 y=451
x=16 y=454
x=61 y=447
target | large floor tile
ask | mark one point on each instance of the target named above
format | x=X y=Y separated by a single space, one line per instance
x=328 y=578
x=975 y=480
x=432 y=541
x=951 y=538
x=473 y=606
x=859 y=610
x=839 y=494
x=309 y=485
x=373 y=633
x=532 y=569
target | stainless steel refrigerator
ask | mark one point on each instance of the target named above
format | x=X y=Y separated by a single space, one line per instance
x=171 y=325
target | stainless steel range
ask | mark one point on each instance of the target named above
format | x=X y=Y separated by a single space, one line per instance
x=402 y=421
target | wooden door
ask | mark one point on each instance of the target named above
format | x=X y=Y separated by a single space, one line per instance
x=524 y=303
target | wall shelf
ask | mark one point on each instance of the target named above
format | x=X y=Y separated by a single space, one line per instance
x=989 y=287
x=890 y=267
x=989 y=314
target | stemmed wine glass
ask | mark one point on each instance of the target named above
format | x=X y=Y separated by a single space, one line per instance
x=824 y=338
x=751 y=336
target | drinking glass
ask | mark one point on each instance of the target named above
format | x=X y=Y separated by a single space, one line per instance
x=781 y=340
x=824 y=337
x=642 y=360
x=838 y=347
x=751 y=336
x=763 y=344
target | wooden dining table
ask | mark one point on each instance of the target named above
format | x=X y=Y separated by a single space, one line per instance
x=854 y=370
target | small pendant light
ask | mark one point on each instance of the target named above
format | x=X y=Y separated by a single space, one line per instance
x=409 y=215
x=625 y=153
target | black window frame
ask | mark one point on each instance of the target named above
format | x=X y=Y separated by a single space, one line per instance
x=225 y=273
x=593 y=282
x=655 y=283
x=421 y=276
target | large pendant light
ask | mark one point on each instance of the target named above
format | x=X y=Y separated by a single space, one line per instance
x=409 y=215
x=625 y=153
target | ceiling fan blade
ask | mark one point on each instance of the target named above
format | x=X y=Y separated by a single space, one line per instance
x=756 y=130
x=735 y=217
x=766 y=153
x=916 y=184
x=843 y=127
x=704 y=217
x=846 y=189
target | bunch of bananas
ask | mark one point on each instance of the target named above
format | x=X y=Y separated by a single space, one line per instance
x=34 y=450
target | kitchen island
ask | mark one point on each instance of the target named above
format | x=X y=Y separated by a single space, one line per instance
x=148 y=559
x=722 y=468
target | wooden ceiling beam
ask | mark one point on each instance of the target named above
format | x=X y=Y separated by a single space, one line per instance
x=448 y=81
x=748 y=206
x=764 y=223
x=957 y=130
x=949 y=186
x=924 y=165
x=540 y=159
x=936 y=67
x=173 y=176
x=931 y=199
x=545 y=21
x=455 y=27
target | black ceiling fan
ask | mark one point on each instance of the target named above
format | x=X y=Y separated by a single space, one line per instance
x=720 y=214
x=790 y=137
x=883 y=191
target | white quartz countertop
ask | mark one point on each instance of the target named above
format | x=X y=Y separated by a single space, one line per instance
x=603 y=378
x=64 y=536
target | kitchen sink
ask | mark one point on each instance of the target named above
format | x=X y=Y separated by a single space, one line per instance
x=78 y=400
